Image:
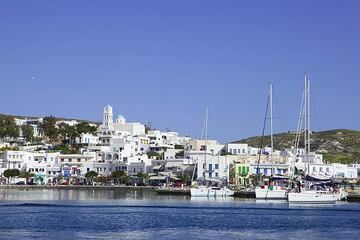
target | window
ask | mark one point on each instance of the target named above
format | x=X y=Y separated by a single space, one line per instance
x=216 y=166
x=210 y=167
x=79 y=160
x=62 y=160
x=327 y=169
x=238 y=150
x=216 y=175
x=243 y=151
x=70 y=160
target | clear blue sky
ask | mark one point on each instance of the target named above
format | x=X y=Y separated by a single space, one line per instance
x=166 y=61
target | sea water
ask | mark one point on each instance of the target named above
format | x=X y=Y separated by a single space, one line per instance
x=141 y=214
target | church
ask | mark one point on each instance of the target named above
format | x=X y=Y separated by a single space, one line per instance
x=120 y=127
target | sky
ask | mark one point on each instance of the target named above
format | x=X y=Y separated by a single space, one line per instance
x=165 y=62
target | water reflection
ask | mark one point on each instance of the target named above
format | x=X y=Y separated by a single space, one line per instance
x=83 y=194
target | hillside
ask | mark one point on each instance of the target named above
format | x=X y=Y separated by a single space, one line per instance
x=57 y=118
x=338 y=145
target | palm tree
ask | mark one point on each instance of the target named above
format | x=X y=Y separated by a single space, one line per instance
x=184 y=178
x=27 y=175
x=118 y=175
x=144 y=176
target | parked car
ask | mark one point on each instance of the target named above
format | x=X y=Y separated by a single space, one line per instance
x=20 y=183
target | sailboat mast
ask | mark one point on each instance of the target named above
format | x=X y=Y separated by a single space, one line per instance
x=305 y=116
x=308 y=127
x=305 y=122
x=206 y=139
x=308 y=114
x=271 y=127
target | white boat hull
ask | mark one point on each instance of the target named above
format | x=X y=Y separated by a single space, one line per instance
x=313 y=197
x=275 y=194
x=210 y=192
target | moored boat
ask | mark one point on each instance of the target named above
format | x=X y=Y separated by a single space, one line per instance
x=271 y=192
x=314 y=197
x=207 y=191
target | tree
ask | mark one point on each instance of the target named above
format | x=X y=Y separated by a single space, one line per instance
x=59 y=178
x=91 y=175
x=118 y=175
x=49 y=127
x=62 y=131
x=144 y=176
x=15 y=172
x=27 y=175
x=8 y=127
x=72 y=133
x=85 y=127
x=9 y=173
x=27 y=132
x=184 y=178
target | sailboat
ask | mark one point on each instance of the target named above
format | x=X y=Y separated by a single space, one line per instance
x=206 y=190
x=275 y=192
x=314 y=192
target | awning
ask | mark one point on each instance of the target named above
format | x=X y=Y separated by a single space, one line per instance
x=312 y=178
x=157 y=167
x=157 y=178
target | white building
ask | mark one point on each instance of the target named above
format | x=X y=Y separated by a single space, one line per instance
x=237 y=148
x=87 y=139
x=212 y=166
x=197 y=146
x=335 y=170
x=35 y=123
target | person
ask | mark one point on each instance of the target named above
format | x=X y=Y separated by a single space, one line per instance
x=299 y=186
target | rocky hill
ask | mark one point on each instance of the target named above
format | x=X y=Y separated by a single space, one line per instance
x=338 y=145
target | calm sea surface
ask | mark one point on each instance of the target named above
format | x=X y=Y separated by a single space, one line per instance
x=141 y=214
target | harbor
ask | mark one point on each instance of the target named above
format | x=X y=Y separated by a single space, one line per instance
x=168 y=120
x=165 y=191
x=142 y=214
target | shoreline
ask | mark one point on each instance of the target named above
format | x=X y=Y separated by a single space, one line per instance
x=76 y=187
x=353 y=197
